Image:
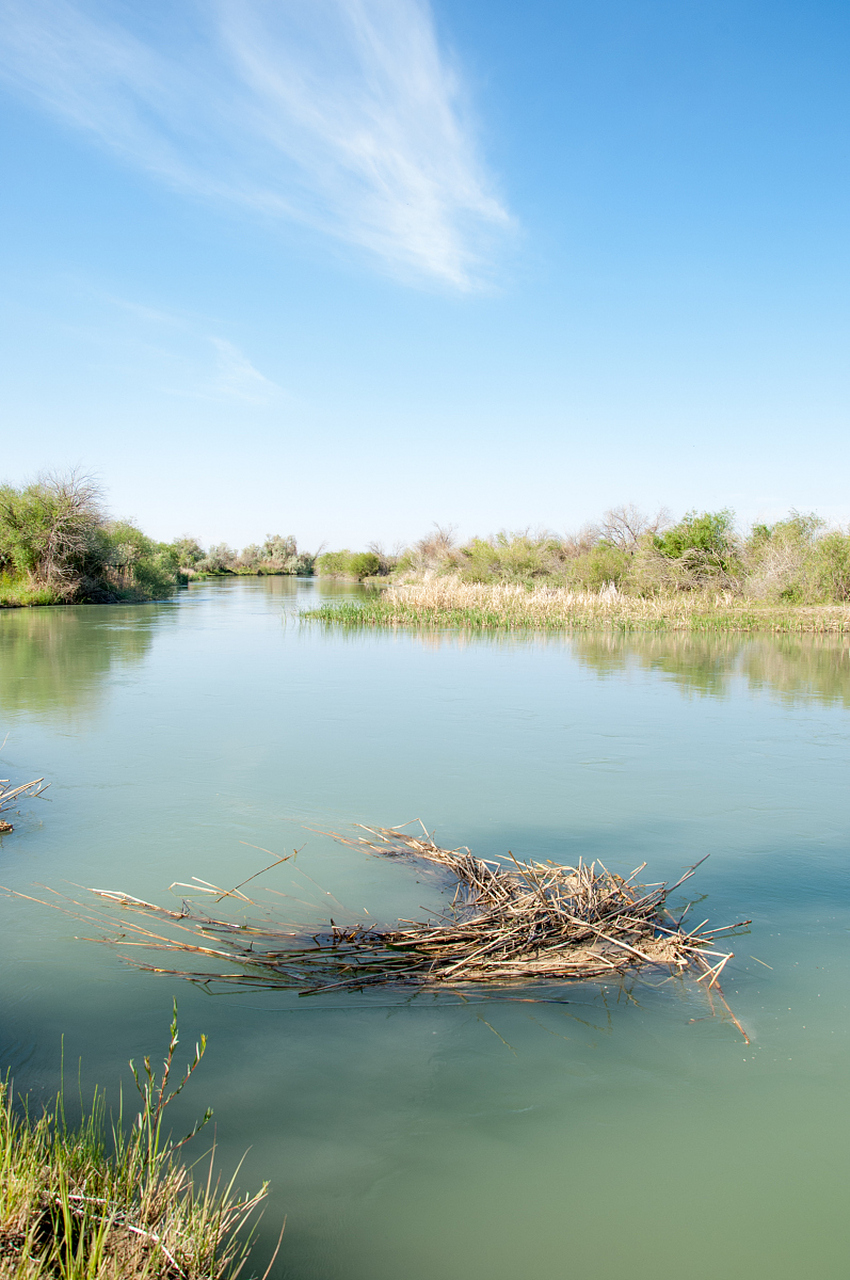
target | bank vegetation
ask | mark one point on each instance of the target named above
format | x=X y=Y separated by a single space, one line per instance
x=630 y=571
x=59 y=545
x=94 y=1201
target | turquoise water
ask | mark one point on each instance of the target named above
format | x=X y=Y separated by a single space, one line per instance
x=608 y=1135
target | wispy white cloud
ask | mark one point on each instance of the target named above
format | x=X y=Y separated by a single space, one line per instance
x=207 y=366
x=345 y=115
x=237 y=377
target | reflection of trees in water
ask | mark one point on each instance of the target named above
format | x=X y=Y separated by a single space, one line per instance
x=795 y=667
x=55 y=661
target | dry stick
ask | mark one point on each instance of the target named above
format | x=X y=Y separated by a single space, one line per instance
x=270 y=867
x=726 y=927
x=719 y=969
x=712 y=971
x=687 y=875
x=725 y=1004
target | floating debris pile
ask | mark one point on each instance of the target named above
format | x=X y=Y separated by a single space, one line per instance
x=509 y=923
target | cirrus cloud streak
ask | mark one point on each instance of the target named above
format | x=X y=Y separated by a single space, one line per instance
x=344 y=115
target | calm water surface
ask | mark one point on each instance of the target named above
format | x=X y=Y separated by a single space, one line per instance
x=606 y=1136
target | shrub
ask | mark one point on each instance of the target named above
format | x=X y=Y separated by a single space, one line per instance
x=703 y=547
x=140 y=568
x=281 y=555
x=189 y=553
x=780 y=558
x=334 y=564
x=56 y=545
x=364 y=564
x=831 y=567
x=604 y=563
x=511 y=557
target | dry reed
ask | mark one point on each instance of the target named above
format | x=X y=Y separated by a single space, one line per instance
x=509 y=923
x=8 y=793
x=446 y=601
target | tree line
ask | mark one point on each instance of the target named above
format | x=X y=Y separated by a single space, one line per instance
x=58 y=544
x=796 y=560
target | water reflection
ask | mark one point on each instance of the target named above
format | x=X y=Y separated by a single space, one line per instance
x=803 y=667
x=54 y=662
x=795 y=667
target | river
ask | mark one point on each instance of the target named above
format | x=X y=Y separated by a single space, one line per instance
x=606 y=1134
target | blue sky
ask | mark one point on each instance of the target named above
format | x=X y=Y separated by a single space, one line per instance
x=345 y=268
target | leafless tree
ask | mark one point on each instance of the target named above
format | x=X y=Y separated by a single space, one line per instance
x=625 y=525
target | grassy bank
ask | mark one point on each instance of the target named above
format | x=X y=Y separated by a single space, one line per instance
x=449 y=603
x=92 y=1202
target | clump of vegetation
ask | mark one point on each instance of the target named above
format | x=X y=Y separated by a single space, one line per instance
x=796 y=561
x=58 y=546
x=8 y=794
x=359 y=565
x=509 y=923
x=96 y=1203
x=277 y=555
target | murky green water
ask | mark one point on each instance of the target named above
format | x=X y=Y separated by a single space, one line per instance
x=598 y=1138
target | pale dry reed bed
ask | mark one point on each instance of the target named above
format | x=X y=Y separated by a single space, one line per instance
x=447 y=602
x=510 y=924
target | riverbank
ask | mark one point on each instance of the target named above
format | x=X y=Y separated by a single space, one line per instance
x=19 y=593
x=449 y=603
x=91 y=1201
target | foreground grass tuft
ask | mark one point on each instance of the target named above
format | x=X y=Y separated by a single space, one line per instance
x=94 y=1203
x=447 y=602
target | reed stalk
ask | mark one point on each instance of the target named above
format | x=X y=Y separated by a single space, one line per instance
x=8 y=794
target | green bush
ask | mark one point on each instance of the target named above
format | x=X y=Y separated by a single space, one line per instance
x=365 y=564
x=352 y=564
x=706 y=537
x=281 y=555
x=334 y=564
x=510 y=557
x=141 y=568
x=601 y=565
x=51 y=533
x=220 y=559
x=189 y=553
x=831 y=568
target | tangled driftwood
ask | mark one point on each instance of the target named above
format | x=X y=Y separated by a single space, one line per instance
x=509 y=923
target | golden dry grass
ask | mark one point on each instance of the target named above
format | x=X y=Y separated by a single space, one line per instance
x=448 y=602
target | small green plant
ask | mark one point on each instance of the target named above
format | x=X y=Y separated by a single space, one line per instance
x=94 y=1202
